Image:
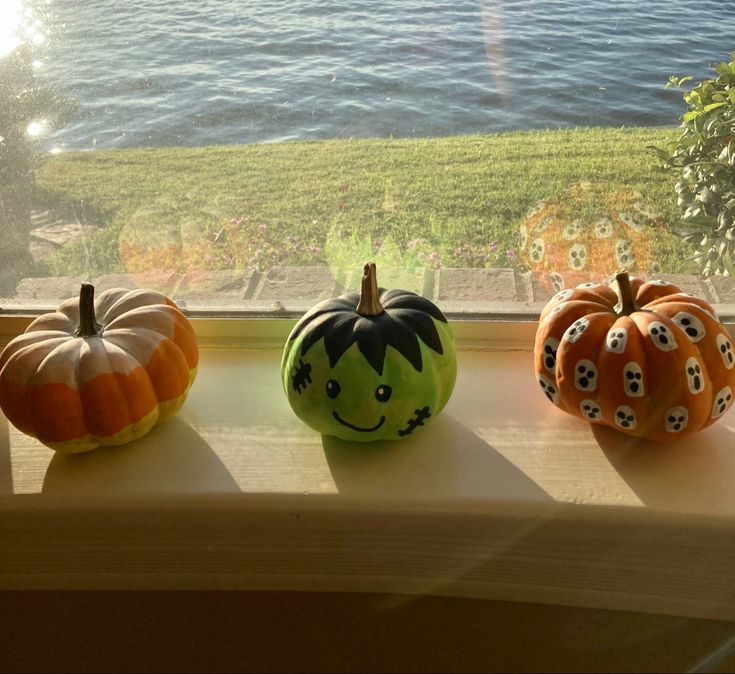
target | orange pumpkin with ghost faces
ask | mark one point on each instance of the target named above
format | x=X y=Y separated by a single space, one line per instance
x=642 y=357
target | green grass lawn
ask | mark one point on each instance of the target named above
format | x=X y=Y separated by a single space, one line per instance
x=455 y=201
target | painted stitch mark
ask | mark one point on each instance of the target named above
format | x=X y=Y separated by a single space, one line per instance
x=302 y=378
x=421 y=416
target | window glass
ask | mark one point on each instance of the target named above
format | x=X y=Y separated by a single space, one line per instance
x=243 y=154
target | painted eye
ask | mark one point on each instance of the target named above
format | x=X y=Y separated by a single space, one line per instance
x=333 y=388
x=382 y=393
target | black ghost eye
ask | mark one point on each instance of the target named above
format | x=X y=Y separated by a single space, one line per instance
x=333 y=388
x=382 y=393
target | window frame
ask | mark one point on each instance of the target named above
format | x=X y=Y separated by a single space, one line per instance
x=582 y=552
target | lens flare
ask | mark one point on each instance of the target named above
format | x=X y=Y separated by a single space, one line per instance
x=36 y=128
x=11 y=21
x=18 y=25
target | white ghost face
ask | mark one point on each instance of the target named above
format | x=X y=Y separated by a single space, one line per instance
x=549 y=389
x=691 y=325
x=585 y=376
x=633 y=219
x=625 y=418
x=577 y=256
x=545 y=223
x=633 y=380
x=676 y=419
x=538 y=247
x=723 y=401
x=604 y=228
x=695 y=381
x=724 y=346
x=551 y=346
x=575 y=331
x=590 y=409
x=557 y=281
x=572 y=231
x=623 y=253
x=562 y=295
x=662 y=337
x=616 y=340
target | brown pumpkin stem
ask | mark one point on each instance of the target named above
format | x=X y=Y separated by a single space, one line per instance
x=88 y=325
x=628 y=304
x=369 y=304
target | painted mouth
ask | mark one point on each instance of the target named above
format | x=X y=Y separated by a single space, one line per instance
x=358 y=428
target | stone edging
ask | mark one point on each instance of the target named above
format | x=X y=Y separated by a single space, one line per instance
x=296 y=288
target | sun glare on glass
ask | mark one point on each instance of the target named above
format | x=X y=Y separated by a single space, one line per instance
x=35 y=129
x=11 y=20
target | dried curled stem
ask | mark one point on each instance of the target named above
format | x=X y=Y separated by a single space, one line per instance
x=369 y=304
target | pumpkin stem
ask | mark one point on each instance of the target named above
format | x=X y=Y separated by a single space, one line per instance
x=88 y=325
x=628 y=304
x=369 y=304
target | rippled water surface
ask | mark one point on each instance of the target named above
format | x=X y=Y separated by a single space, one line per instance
x=164 y=73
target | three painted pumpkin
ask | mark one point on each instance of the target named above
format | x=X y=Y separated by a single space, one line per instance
x=99 y=372
x=647 y=359
x=642 y=357
x=370 y=366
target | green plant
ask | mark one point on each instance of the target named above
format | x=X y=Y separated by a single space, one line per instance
x=702 y=158
x=345 y=249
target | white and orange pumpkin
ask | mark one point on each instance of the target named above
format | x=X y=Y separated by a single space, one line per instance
x=647 y=359
x=99 y=372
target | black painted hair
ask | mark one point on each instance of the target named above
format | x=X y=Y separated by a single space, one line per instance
x=406 y=318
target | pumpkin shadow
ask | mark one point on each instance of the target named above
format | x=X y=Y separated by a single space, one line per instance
x=172 y=459
x=6 y=466
x=445 y=460
x=691 y=474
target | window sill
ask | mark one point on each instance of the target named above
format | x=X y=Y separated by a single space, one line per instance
x=501 y=497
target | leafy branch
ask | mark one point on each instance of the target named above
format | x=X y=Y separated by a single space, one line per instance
x=702 y=160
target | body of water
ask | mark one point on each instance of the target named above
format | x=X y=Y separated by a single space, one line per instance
x=198 y=72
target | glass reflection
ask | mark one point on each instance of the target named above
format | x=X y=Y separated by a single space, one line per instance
x=11 y=19
x=30 y=110
x=18 y=25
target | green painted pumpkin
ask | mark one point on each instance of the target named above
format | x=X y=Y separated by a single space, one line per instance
x=372 y=366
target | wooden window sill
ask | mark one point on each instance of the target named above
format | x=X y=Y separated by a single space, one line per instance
x=500 y=497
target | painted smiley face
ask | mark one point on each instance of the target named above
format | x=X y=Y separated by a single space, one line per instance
x=369 y=366
x=382 y=394
x=351 y=401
